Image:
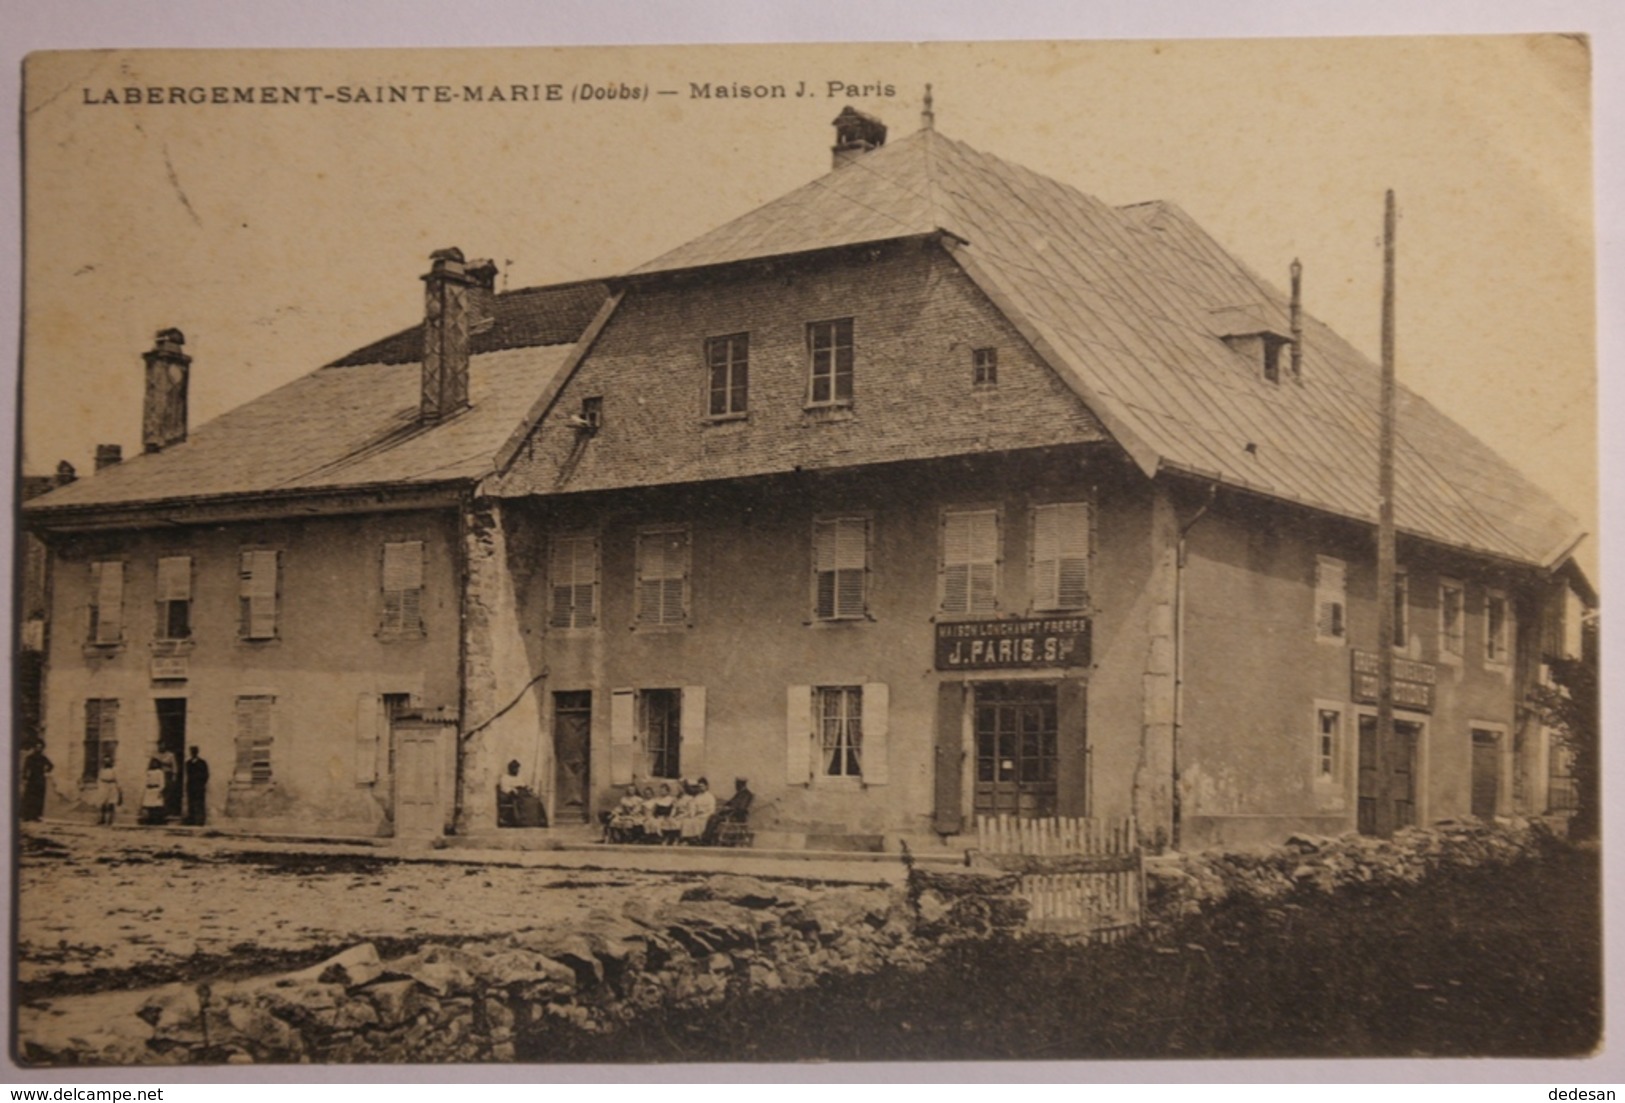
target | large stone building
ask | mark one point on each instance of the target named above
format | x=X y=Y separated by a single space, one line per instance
x=933 y=489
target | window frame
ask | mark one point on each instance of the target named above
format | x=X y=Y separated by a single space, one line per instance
x=1328 y=763
x=403 y=624
x=104 y=708
x=572 y=620
x=848 y=744
x=1061 y=557
x=663 y=622
x=1339 y=622
x=837 y=328
x=1497 y=645
x=248 y=772
x=670 y=752
x=163 y=628
x=985 y=368
x=1402 y=610
x=946 y=519
x=837 y=615
x=1452 y=643
x=96 y=620
x=246 y=580
x=736 y=376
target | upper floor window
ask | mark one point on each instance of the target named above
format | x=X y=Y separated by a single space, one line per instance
x=840 y=568
x=830 y=359
x=1496 y=629
x=402 y=581
x=257 y=593
x=985 y=367
x=728 y=363
x=1061 y=555
x=1452 y=617
x=174 y=598
x=106 y=602
x=662 y=576
x=1331 y=599
x=572 y=579
x=970 y=561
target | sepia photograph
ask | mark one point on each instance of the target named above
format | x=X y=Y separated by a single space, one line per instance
x=954 y=551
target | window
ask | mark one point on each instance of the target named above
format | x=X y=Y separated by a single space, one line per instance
x=101 y=736
x=1495 y=628
x=174 y=598
x=402 y=580
x=1061 y=556
x=970 y=562
x=840 y=730
x=1452 y=617
x=257 y=594
x=106 y=603
x=1402 y=621
x=1562 y=794
x=829 y=352
x=1328 y=736
x=572 y=578
x=253 y=741
x=1331 y=599
x=985 y=367
x=727 y=360
x=660 y=722
x=662 y=566
x=840 y=568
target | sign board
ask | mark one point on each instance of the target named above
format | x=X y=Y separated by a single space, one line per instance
x=169 y=668
x=1016 y=644
x=1413 y=681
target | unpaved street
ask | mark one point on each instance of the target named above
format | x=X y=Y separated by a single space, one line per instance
x=100 y=909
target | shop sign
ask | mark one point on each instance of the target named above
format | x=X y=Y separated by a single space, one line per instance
x=1027 y=643
x=1413 y=682
x=169 y=668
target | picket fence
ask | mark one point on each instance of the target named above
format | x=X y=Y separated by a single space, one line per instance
x=1080 y=876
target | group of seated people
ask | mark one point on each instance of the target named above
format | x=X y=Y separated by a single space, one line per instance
x=653 y=813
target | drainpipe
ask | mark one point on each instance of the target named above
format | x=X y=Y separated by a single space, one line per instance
x=1179 y=655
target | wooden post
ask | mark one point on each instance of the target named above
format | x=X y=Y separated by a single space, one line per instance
x=1385 y=749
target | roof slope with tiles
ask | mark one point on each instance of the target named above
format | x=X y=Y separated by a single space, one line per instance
x=1128 y=305
x=354 y=422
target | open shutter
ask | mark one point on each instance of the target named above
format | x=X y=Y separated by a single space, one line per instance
x=949 y=812
x=955 y=563
x=1072 y=739
x=984 y=573
x=691 y=752
x=650 y=566
x=259 y=594
x=109 y=601
x=876 y=753
x=622 y=730
x=78 y=710
x=369 y=721
x=798 y=735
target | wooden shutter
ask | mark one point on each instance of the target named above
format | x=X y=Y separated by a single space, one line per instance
x=573 y=582
x=841 y=562
x=369 y=722
x=1072 y=748
x=403 y=586
x=663 y=565
x=1061 y=556
x=258 y=573
x=108 y=580
x=253 y=740
x=798 y=731
x=970 y=556
x=622 y=735
x=691 y=749
x=175 y=578
x=949 y=812
x=1330 y=598
x=875 y=756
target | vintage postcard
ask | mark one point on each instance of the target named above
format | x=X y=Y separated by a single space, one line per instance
x=852 y=553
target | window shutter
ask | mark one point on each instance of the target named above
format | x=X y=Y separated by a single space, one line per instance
x=403 y=565
x=691 y=752
x=80 y=708
x=876 y=756
x=622 y=731
x=798 y=734
x=175 y=578
x=369 y=721
x=259 y=593
x=109 y=602
x=1330 y=588
x=948 y=816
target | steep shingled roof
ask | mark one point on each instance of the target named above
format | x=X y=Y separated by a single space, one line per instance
x=1128 y=305
x=354 y=423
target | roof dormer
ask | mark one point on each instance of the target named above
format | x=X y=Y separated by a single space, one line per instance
x=1250 y=333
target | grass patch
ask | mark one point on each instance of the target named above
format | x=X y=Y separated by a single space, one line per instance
x=1490 y=962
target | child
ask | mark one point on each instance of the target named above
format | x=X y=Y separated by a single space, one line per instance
x=108 y=794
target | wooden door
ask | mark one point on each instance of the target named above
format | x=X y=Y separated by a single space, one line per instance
x=1486 y=772
x=1017 y=763
x=1403 y=770
x=420 y=808
x=572 y=754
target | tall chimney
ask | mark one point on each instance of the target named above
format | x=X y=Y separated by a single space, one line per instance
x=108 y=454
x=1297 y=319
x=163 y=413
x=446 y=325
x=855 y=135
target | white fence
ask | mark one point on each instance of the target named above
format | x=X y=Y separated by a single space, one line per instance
x=1080 y=876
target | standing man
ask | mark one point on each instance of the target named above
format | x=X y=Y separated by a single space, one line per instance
x=36 y=768
x=197 y=788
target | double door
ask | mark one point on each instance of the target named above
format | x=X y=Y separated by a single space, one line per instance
x=1402 y=770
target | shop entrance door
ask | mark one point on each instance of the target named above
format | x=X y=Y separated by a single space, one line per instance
x=1486 y=772
x=1406 y=734
x=1017 y=760
x=572 y=754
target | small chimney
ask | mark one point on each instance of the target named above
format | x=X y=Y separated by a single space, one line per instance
x=482 y=295
x=108 y=454
x=855 y=135
x=65 y=473
x=447 y=323
x=1296 y=319
x=163 y=414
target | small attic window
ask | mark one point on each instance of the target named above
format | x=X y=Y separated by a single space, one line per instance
x=985 y=367
x=1266 y=351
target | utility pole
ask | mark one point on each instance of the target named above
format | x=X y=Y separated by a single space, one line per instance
x=1386 y=750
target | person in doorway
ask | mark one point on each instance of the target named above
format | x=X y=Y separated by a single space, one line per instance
x=152 y=793
x=736 y=809
x=108 y=795
x=197 y=788
x=172 y=780
x=36 y=768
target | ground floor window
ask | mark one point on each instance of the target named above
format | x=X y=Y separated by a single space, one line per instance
x=660 y=721
x=1328 y=733
x=840 y=730
x=253 y=740
x=1017 y=748
x=101 y=736
x=1562 y=795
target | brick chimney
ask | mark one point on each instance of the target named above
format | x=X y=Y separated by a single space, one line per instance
x=65 y=473
x=108 y=454
x=163 y=413
x=855 y=135
x=448 y=318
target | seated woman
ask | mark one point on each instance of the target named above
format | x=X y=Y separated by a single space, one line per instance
x=517 y=803
x=702 y=805
x=626 y=821
x=660 y=809
x=682 y=808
